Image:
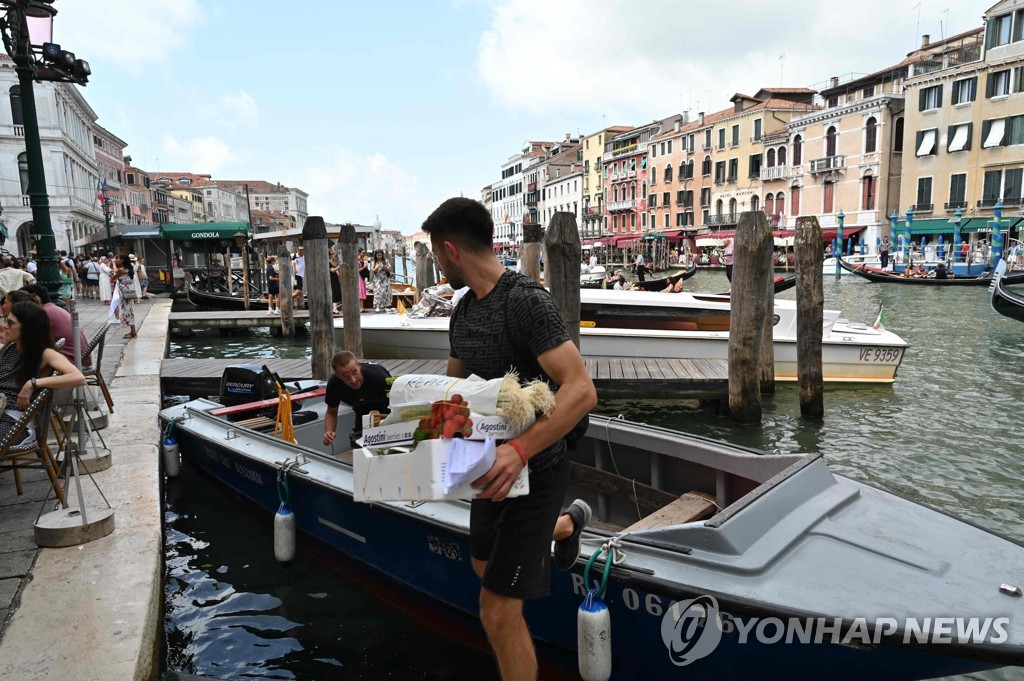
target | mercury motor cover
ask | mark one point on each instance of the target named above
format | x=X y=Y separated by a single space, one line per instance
x=241 y=383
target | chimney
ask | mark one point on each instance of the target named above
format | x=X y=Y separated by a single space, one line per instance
x=701 y=114
x=833 y=81
x=568 y=137
x=925 y=40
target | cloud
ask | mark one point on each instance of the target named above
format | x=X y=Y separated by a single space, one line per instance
x=351 y=187
x=231 y=111
x=127 y=35
x=199 y=154
x=640 y=61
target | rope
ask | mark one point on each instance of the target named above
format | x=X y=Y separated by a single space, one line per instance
x=170 y=426
x=284 y=415
x=608 y=442
x=613 y=547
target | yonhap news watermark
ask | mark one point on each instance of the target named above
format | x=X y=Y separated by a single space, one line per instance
x=693 y=629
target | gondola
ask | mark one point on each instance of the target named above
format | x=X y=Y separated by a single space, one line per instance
x=1004 y=301
x=661 y=283
x=876 y=275
x=207 y=300
x=780 y=283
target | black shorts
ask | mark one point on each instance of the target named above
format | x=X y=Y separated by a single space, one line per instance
x=298 y=283
x=273 y=288
x=514 y=535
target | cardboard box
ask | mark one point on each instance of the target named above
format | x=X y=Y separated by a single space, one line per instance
x=396 y=434
x=414 y=476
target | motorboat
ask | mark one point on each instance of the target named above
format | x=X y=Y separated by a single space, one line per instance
x=728 y=562
x=644 y=324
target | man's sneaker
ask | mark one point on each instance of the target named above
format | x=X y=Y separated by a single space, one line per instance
x=270 y=311
x=568 y=550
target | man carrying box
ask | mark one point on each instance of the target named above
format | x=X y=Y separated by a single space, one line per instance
x=507 y=322
x=361 y=385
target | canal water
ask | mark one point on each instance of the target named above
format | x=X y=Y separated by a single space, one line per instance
x=946 y=433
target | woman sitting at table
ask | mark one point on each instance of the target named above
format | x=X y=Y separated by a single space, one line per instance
x=27 y=361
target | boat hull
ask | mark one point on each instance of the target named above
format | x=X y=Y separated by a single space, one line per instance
x=425 y=550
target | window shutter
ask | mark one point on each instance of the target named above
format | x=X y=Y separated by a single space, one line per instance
x=973 y=89
x=920 y=136
x=990 y=84
x=920 y=99
x=985 y=125
x=970 y=129
x=956 y=94
x=950 y=131
x=938 y=99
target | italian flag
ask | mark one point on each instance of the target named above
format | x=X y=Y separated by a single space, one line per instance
x=878 y=322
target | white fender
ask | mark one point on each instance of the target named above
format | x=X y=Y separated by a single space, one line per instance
x=284 y=533
x=594 y=638
x=172 y=460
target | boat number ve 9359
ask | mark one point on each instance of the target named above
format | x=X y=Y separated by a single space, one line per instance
x=879 y=355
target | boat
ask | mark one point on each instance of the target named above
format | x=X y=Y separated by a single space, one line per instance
x=878 y=275
x=661 y=283
x=644 y=324
x=780 y=284
x=1004 y=301
x=795 y=568
x=234 y=302
x=592 y=277
x=828 y=265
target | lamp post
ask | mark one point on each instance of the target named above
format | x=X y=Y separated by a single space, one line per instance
x=106 y=222
x=908 y=230
x=67 y=230
x=27 y=28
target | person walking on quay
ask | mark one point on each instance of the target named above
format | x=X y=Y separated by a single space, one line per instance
x=92 y=278
x=143 y=277
x=300 y=272
x=364 y=276
x=106 y=291
x=273 y=285
x=509 y=322
x=728 y=259
x=883 y=252
x=380 y=273
x=335 y=273
x=124 y=278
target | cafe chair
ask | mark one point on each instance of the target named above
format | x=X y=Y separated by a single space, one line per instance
x=18 y=451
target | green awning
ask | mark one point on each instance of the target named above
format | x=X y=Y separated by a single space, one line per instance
x=652 y=236
x=930 y=226
x=984 y=225
x=203 y=230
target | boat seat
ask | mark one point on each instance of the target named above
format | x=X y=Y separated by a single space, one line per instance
x=260 y=423
x=686 y=509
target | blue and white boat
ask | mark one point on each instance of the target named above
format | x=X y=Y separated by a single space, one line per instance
x=731 y=563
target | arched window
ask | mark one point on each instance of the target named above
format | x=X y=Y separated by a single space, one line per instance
x=769 y=158
x=705 y=168
x=794 y=200
x=16 y=115
x=897 y=136
x=718 y=207
x=668 y=173
x=870 y=136
x=654 y=175
x=782 y=156
x=830 y=143
x=754 y=202
x=867 y=192
x=632 y=191
x=769 y=204
x=780 y=203
x=615 y=192
x=23 y=171
x=643 y=190
x=798 y=150
x=732 y=206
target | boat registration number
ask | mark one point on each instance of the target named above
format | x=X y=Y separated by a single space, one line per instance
x=879 y=355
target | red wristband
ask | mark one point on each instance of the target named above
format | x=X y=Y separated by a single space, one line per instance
x=519 y=450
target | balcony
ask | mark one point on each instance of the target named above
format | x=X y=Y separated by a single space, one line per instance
x=631 y=173
x=532 y=187
x=774 y=173
x=19 y=130
x=589 y=211
x=615 y=206
x=823 y=165
x=722 y=220
x=953 y=205
x=624 y=150
x=923 y=207
x=1011 y=201
x=987 y=203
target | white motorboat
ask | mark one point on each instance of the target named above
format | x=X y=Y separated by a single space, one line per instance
x=592 y=275
x=641 y=324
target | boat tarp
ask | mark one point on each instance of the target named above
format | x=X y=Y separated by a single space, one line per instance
x=203 y=230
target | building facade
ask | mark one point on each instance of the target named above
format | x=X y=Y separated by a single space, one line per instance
x=508 y=199
x=593 y=198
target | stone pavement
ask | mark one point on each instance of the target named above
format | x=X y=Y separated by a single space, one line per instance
x=92 y=611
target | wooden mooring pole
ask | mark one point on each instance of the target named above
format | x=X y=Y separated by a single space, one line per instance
x=284 y=262
x=810 y=302
x=316 y=284
x=424 y=265
x=751 y=275
x=351 y=306
x=562 y=243
x=531 y=252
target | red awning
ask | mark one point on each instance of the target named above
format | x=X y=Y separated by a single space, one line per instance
x=829 y=234
x=621 y=239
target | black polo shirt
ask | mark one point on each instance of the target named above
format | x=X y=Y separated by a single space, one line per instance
x=371 y=395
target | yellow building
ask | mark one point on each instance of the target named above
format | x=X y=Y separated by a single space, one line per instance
x=195 y=198
x=594 y=199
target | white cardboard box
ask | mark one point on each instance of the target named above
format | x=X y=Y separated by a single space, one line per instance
x=402 y=433
x=414 y=476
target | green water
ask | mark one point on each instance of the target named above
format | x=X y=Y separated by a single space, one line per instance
x=945 y=433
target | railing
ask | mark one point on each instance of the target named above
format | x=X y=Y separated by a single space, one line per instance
x=754 y=175
x=965 y=55
x=19 y=130
x=987 y=203
x=923 y=207
x=589 y=211
x=25 y=200
x=821 y=165
x=721 y=220
x=719 y=180
x=1011 y=201
x=731 y=178
x=628 y=204
x=774 y=173
x=624 y=150
x=953 y=205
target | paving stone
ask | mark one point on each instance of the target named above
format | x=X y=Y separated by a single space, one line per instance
x=8 y=590
x=18 y=540
x=16 y=563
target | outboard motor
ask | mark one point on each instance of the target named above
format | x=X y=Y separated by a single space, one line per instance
x=241 y=383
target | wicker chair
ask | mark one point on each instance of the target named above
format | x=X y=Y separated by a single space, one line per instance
x=17 y=454
x=94 y=374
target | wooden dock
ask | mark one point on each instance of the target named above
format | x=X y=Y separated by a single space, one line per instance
x=224 y=319
x=613 y=378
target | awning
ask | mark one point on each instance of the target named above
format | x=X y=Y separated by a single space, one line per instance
x=995 y=133
x=654 y=236
x=829 y=234
x=984 y=225
x=621 y=239
x=959 y=137
x=203 y=230
x=927 y=143
x=929 y=226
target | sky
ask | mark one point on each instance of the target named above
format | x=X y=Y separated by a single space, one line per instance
x=386 y=109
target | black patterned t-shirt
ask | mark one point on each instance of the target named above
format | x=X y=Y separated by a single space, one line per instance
x=506 y=331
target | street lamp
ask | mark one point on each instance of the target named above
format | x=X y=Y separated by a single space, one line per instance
x=107 y=203
x=27 y=28
x=67 y=230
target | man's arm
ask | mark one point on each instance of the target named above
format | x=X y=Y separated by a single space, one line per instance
x=330 y=424
x=575 y=397
x=456 y=369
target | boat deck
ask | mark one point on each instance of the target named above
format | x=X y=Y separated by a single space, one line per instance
x=227 y=319
x=613 y=378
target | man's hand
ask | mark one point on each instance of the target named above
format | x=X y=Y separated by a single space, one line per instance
x=328 y=437
x=499 y=480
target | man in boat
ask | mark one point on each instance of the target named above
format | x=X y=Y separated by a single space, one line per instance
x=883 y=252
x=641 y=267
x=508 y=322
x=361 y=385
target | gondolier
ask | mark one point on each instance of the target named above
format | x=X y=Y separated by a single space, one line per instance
x=508 y=322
